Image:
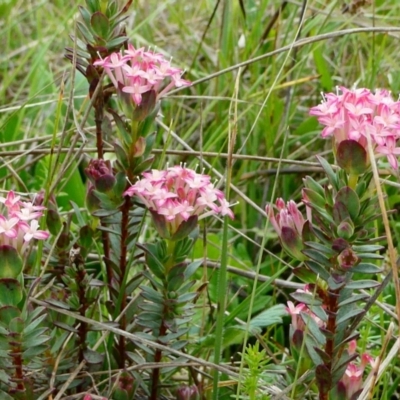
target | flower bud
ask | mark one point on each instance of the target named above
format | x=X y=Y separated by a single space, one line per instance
x=347 y=258
x=101 y=175
x=188 y=393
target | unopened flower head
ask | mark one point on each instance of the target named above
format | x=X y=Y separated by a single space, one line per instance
x=354 y=114
x=138 y=71
x=19 y=222
x=288 y=223
x=178 y=193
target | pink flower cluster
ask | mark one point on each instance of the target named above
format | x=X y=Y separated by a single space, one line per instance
x=179 y=193
x=19 y=223
x=354 y=114
x=352 y=379
x=136 y=71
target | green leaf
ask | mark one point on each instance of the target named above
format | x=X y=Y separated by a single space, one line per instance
x=7 y=314
x=321 y=248
x=269 y=317
x=350 y=314
x=318 y=269
x=93 y=357
x=192 y=268
x=313 y=328
x=152 y=295
x=318 y=257
x=353 y=299
x=35 y=351
x=369 y=248
x=11 y=262
x=100 y=24
x=329 y=172
x=349 y=198
x=10 y=292
x=152 y=259
x=367 y=268
x=305 y=274
x=306 y=298
x=362 y=284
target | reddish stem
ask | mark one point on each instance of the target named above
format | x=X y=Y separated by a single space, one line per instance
x=122 y=266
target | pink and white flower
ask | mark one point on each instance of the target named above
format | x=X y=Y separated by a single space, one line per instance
x=179 y=193
x=19 y=222
x=137 y=71
x=353 y=114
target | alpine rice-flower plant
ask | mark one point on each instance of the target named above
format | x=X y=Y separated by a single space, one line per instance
x=178 y=195
x=354 y=114
x=136 y=71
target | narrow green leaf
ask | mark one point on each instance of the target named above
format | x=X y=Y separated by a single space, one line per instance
x=363 y=284
x=351 y=314
x=318 y=269
x=367 y=268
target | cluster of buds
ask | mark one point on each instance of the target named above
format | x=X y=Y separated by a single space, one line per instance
x=19 y=222
x=136 y=71
x=355 y=114
x=352 y=381
x=178 y=194
x=288 y=223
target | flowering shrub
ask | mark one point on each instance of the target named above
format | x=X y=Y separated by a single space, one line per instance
x=136 y=71
x=19 y=222
x=179 y=193
x=355 y=113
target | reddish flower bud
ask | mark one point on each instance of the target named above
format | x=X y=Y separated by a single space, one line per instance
x=101 y=175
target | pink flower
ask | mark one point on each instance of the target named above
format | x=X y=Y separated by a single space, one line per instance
x=179 y=193
x=294 y=312
x=14 y=229
x=352 y=114
x=32 y=231
x=137 y=71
